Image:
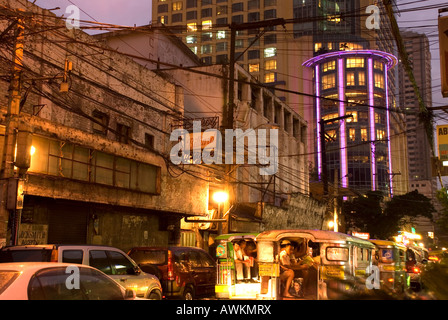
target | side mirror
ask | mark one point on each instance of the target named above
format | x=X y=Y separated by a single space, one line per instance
x=424 y=261
x=129 y=294
x=137 y=270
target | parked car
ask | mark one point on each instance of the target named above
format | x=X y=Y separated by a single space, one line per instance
x=416 y=260
x=51 y=281
x=112 y=261
x=185 y=272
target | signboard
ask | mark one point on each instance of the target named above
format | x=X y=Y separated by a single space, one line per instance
x=443 y=45
x=33 y=234
x=362 y=235
x=442 y=142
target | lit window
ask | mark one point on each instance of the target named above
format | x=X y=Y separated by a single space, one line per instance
x=194 y=49
x=191 y=39
x=328 y=66
x=352 y=134
x=328 y=81
x=378 y=65
x=351 y=79
x=270 y=52
x=254 y=67
x=354 y=117
x=380 y=134
x=335 y=19
x=355 y=63
x=177 y=5
x=332 y=134
x=364 y=134
x=349 y=46
x=361 y=79
x=163 y=19
x=269 y=77
x=220 y=35
x=207 y=24
x=329 y=117
x=379 y=81
x=317 y=46
x=192 y=26
x=270 y=65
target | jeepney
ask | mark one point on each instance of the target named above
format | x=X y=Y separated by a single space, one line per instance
x=235 y=280
x=338 y=267
x=391 y=261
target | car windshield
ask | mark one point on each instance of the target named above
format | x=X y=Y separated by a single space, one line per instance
x=36 y=255
x=143 y=257
x=6 y=278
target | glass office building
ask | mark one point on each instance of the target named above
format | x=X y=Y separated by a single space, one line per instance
x=354 y=84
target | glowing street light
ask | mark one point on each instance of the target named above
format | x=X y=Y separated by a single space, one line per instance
x=220 y=197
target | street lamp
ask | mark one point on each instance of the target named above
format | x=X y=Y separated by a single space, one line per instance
x=220 y=197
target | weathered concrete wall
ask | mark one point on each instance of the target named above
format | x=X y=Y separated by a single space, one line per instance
x=301 y=212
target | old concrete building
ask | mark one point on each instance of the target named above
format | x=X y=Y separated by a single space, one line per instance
x=256 y=202
x=99 y=171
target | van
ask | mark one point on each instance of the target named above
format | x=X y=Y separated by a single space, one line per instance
x=185 y=272
x=112 y=261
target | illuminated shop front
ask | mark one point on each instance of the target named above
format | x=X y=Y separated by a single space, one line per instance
x=354 y=83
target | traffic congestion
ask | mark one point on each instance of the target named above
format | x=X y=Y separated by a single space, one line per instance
x=271 y=265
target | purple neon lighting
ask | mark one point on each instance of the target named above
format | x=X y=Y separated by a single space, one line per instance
x=372 y=124
x=318 y=116
x=389 y=150
x=342 y=130
x=391 y=60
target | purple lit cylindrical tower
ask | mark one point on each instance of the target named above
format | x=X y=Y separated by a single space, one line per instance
x=354 y=83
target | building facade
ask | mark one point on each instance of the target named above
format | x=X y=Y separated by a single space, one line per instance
x=420 y=152
x=256 y=202
x=353 y=84
x=98 y=172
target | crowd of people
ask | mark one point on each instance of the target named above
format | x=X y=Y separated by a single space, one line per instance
x=298 y=265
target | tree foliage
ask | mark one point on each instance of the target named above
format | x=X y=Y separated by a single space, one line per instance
x=370 y=213
x=442 y=222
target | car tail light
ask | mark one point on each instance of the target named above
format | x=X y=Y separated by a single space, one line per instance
x=390 y=280
x=416 y=270
x=170 y=266
x=54 y=255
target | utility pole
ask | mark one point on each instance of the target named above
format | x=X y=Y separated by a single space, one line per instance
x=323 y=149
x=335 y=201
x=9 y=183
x=229 y=123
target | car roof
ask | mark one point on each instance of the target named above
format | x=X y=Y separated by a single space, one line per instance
x=172 y=248
x=30 y=266
x=55 y=246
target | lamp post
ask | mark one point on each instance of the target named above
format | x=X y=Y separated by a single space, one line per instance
x=220 y=197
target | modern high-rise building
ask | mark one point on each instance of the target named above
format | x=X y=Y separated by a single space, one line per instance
x=419 y=147
x=275 y=56
x=354 y=85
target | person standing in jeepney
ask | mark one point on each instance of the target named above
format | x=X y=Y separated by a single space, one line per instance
x=287 y=266
x=242 y=262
